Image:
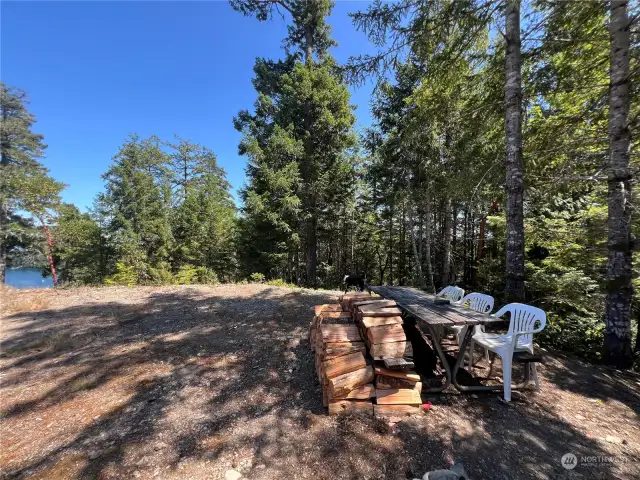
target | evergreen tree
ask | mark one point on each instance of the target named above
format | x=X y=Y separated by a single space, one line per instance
x=24 y=183
x=136 y=204
x=305 y=107
x=81 y=252
x=203 y=213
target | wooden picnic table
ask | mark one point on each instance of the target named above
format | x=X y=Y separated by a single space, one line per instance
x=423 y=307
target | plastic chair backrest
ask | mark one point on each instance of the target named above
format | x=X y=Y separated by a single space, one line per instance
x=479 y=302
x=523 y=319
x=452 y=293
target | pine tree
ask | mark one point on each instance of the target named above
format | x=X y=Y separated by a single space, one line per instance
x=203 y=213
x=136 y=203
x=24 y=183
x=306 y=108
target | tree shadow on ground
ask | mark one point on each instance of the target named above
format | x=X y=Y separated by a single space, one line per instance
x=193 y=381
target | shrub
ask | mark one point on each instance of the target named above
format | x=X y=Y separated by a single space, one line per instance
x=278 y=282
x=125 y=275
x=257 y=277
x=187 y=275
x=206 y=275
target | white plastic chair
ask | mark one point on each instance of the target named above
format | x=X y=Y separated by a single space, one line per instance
x=518 y=338
x=478 y=302
x=454 y=294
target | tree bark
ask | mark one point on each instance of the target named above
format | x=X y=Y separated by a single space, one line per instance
x=415 y=252
x=446 y=249
x=308 y=47
x=514 y=162
x=430 y=287
x=52 y=266
x=617 y=338
x=312 y=248
x=4 y=213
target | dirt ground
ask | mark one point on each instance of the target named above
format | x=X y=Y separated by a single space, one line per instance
x=190 y=382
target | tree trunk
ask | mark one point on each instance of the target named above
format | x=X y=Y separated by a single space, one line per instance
x=4 y=213
x=446 y=248
x=49 y=251
x=617 y=337
x=483 y=226
x=514 y=163
x=390 y=254
x=312 y=248
x=402 y=261
x=415 y=252
x=430 y=287
x=308 y=48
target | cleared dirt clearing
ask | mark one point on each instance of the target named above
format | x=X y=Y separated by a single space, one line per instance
x=188 y=382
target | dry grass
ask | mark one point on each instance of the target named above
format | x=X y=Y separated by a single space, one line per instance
x=14 y=301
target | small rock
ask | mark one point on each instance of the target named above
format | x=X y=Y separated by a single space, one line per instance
x=94 y=454
x=262 y=466
x=580 y=417
x=473 y=395
x=232 y=475
x=612 y=439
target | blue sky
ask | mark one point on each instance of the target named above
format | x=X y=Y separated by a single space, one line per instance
x=97 y=71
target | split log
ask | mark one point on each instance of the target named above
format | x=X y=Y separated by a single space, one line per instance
x=406 y=375
x=330 y=353
x=381 y=351
x=345 y=364
x=335 y=315
x=369 y=322
x=374 y=302
x=343 y=384
x=386 y=334
x=353 y=406
x=346 y=300
x=334 y=345
x=340 y=333
x=363 y=392
x=398 y=396
x=327 y=307
x=375 y=311
x=388 y=383
x=395 y=410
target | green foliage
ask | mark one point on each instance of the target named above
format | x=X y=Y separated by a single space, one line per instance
x=278 y=282
x=124 y=275
x=257 y=278
x=25 y=186
x=168 y=213
x=81 y=252
x=186 y=275
x=299 y=169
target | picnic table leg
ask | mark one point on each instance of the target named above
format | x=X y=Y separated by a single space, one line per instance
x=482 y=388
x=443 y=360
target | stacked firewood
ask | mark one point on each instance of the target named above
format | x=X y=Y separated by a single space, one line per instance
x=352 y=341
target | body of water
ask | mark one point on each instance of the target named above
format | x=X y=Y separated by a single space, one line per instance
x=27 y=278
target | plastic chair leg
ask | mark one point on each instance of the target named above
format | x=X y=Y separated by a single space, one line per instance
x=506 y=378
x=534 y=374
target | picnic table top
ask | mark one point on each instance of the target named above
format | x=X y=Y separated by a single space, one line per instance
x=421 y=305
